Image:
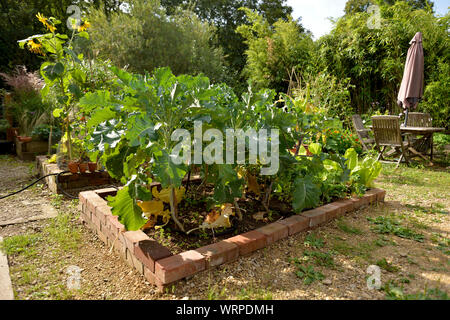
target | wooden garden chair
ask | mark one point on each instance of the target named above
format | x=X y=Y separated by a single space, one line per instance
x=417 y=119
x=362 y=132
x=386 y=130
x=387 y=133
x=422 y=120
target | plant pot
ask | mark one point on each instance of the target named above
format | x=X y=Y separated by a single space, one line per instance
x=73 y=167
x=92 y=166
x=83 y=167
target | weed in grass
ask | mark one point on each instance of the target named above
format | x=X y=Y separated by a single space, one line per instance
x=348 y=228
x=254 y=294
x=307 y=273
x=63 y=232
x=56 y=200
x=394 y=292
x=313 y=241
x=324 y=259
x=384 y=264
x=389 y=225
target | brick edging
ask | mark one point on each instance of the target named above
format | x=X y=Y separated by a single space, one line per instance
x=161 y=268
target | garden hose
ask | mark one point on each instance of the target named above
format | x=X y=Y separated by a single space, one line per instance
x=23 y=189
x=48 y=175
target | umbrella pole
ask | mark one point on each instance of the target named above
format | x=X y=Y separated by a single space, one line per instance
x=406 y=117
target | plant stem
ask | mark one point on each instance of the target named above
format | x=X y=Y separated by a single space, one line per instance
x=173 y=209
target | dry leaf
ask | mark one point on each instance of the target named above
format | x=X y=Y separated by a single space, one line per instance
x=253 y=185
x=259 y=216
x=151 y=207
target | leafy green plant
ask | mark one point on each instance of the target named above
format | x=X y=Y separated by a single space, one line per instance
x=387 y=225
x=307 y=273
x=363 y=172
x=385 y=265
x=313 y=241
x=324 y=259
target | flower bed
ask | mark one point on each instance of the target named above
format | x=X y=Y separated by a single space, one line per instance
x=162 y=268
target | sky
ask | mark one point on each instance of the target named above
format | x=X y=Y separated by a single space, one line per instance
x=315 y=13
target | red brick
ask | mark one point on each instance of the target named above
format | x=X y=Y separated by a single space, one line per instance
x=114 y=225
x=149 y=251
x=317 y=216
x=179 y=266
x=249 y=241
x=85 y=195
x=134 y=262
x=295 y=224
x=102 y=212
x=102 y=236
x=149 y=275
x=358 y=203
x=333 y=211
x=380 y=194
x=103 y=193
x=274 y=232
x=219 y=253
x=372 y=195
x=96 y=222
x=119 y=248
x=93 y=203
x=345 y=204
x=133 y=237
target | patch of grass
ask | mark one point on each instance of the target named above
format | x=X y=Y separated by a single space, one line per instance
x=20 y=244
x=62 y=232
x=384 y=264
x=313 y=241
x=254 y=294
x=324 y=259
x=390 y=225
x=348 y=228
x=395 y=292
x=57 y=200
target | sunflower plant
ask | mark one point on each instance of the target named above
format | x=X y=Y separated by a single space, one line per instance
x=61 y=70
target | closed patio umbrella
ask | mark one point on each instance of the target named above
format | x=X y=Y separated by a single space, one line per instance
x=411 y=89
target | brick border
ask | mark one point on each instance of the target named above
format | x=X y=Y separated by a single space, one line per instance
x=161 y=268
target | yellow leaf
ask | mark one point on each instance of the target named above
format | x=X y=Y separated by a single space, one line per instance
x=214 y=219
x=164 y=194
x=253 y=185
x=151 y=207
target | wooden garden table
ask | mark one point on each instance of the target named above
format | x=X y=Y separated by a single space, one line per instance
x=420 y=145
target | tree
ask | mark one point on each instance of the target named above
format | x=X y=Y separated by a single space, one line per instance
x=354 y=6
x=18 y=20
x=274 y=50
x=146 y=38
x=226 y=17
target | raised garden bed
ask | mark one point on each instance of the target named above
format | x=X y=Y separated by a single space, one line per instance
x=70 y=181
x=162 y=267
x=29 y=150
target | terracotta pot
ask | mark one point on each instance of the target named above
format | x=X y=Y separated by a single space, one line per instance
x=92 y=166
x=83 y=167
x=73 y=166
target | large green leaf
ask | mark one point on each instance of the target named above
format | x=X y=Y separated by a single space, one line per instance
x=101 y=115
x=53 y=71
x=124 y=206
x=93 y=100
x=306 y=194
x=168 y=173
x=352 y=158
